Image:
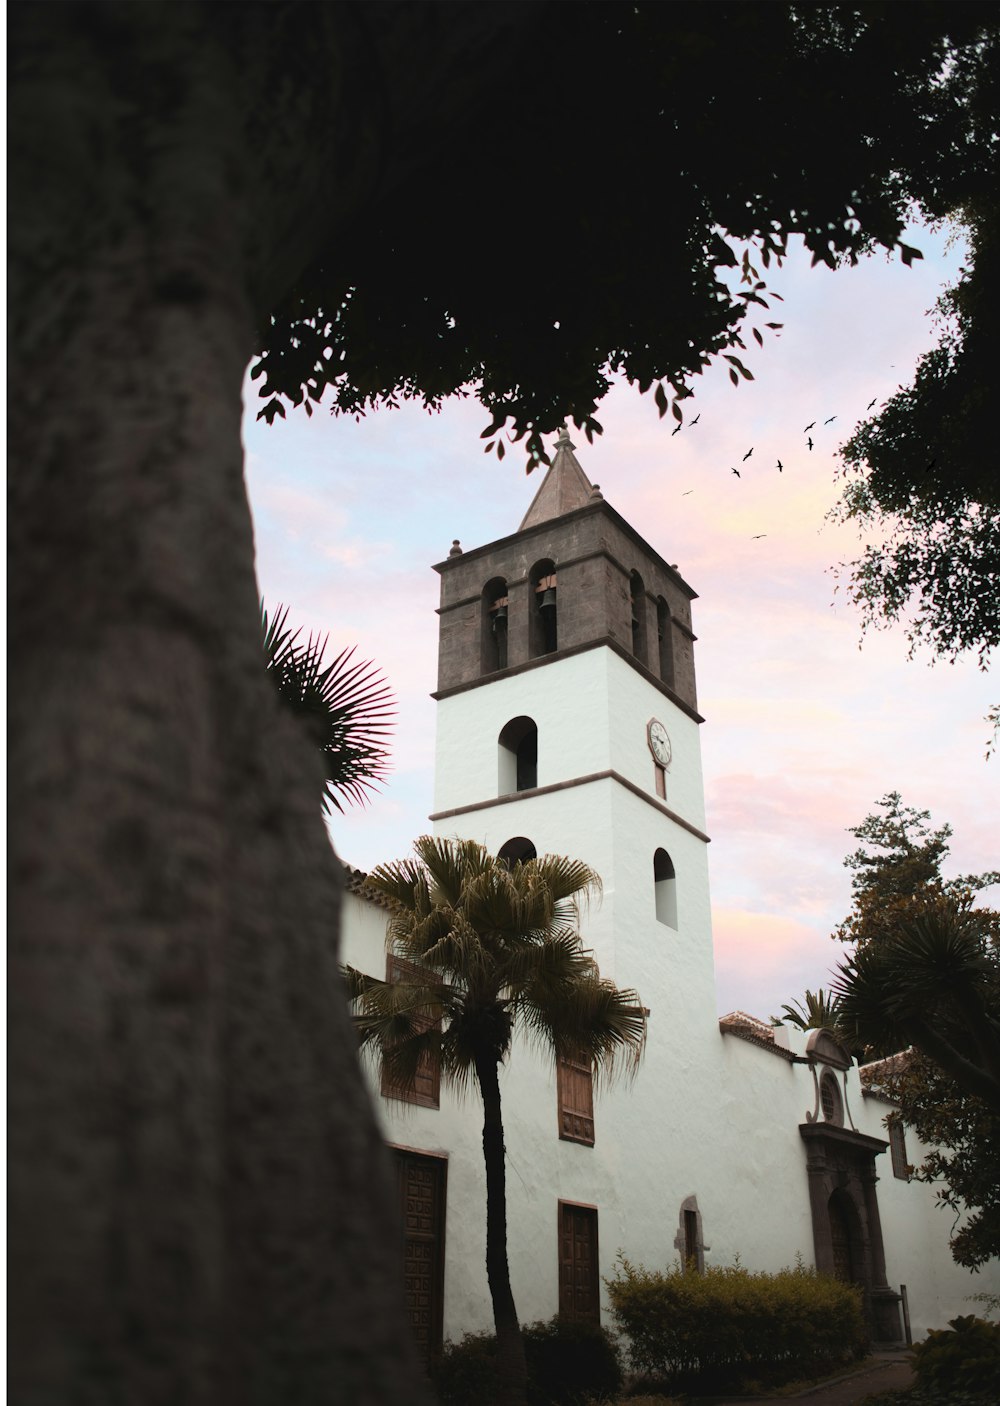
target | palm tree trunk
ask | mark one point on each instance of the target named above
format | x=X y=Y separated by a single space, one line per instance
x=511 y=1367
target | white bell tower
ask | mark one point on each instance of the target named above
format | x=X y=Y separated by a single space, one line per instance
x=567 y=723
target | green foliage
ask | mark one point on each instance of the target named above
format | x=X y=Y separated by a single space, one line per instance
x=926 y=973
x=396 y=315
x=569 y=1364
x=817 y=1011
x=925 y=473
x=965 y=1357
x=727 y=1326
x=964 y=1137
x=345 y=707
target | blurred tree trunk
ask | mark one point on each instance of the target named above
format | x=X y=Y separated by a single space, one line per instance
x=200 y=1205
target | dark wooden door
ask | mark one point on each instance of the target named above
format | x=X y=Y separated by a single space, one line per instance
x=422 y=1201
x=840 y=1236
x=579 y=1276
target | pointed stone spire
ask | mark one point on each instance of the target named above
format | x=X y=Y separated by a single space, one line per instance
x=564 y=488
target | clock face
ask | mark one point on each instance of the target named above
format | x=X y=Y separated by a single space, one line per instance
x=659 y=742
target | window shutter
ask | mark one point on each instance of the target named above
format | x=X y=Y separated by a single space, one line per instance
x=426 y=1090
x=576 y=1101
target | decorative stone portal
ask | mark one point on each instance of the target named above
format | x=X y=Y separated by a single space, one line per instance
x=847 y=1232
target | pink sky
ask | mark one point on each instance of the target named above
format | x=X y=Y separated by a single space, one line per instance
x=804 y=731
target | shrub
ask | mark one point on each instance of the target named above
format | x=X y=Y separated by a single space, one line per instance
x=568 y=1365
x=964 y=1357
x=716 y=1329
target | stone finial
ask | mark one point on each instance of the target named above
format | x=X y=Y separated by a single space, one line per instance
x=563 y=440
x=456 y=548
x=595 y=492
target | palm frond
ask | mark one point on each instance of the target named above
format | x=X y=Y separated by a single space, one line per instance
x=346 y=706
x=593 y=1023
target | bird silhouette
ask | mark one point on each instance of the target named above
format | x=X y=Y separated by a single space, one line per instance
x=686 y=492
x=809 y=442
x=676 y=431
x=746 y=456
x=736 y=472
x=758 y=536
x=830 y=421
x=809 y=427
x=870 y=404
x=696 y=419
x=780 y=466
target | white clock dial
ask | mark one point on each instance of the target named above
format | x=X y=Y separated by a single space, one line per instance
x=659 y=742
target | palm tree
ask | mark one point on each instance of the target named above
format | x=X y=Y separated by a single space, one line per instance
x=933 y=982
x=818 y=1011
x=345 y=706
x=501 y=950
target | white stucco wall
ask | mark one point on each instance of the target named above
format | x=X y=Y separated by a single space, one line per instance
x=708 y=1115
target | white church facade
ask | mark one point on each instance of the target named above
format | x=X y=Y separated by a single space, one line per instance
x=568 y=723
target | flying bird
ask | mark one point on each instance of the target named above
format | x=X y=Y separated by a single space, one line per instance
x=746 y=456
x=696 y=419
x=736 y=472
x=830 y=421
x=809 y=427
x=676 y=431
x=758 y=536
x=870 y=404
x=686 y=492
x=780 y=466
x=809 y=442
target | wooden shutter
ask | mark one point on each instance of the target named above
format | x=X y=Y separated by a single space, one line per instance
x=426 y=1089
x=576 y=1101
x=897 y=1150
x=421 y=1182
x=579 y=1276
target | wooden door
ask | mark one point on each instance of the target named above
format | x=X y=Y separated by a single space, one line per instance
x=579 y=1276
x=840 y=1236
x=422 y=1200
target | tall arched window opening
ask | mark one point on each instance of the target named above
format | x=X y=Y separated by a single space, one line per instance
x=665 y=888
x=543 y=634
x=637 y=593
x=494 y=625
x=665 y=641
x=518 y=757
x=517 y=851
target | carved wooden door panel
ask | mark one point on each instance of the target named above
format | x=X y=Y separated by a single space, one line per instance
x=579 y=1279
x=422 y=1199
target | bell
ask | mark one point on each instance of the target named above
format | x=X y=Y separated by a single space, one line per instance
x=548 y=600
x=499 y=617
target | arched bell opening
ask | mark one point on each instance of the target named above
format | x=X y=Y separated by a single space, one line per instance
x=543 y=631
x=493 y=627
x=518 y=756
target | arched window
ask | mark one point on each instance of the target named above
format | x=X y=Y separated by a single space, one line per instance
x=493 y=631
x=518 y=757
x=542 y=632
x=665 y=640
x=637 y=592
x=517 y=851
x=665 y=888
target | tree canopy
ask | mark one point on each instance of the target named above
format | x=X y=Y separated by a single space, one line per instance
x=924 y=977
x=604 y=191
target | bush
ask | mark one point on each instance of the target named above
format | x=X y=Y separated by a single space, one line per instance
x=568 y=1365
x=713 y=1331
x=965 y=1357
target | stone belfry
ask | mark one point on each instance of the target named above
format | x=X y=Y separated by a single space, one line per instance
x=574 y=576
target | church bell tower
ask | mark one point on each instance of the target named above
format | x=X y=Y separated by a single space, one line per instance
x=567 y=723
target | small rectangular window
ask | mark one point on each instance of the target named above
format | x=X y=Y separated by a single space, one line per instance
x=691 y=1241
x=897 y=1150
x=426 y=1090
x=576 y=1101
